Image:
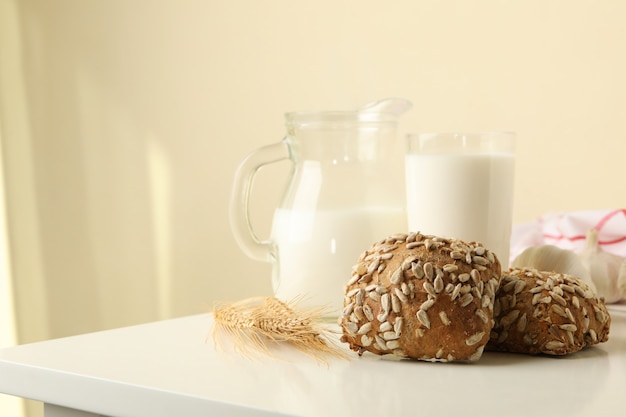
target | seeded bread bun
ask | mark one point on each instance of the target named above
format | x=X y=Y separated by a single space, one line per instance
x=546 y=313
x=421 y=297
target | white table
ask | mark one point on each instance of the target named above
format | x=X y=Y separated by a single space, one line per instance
x=170 y=369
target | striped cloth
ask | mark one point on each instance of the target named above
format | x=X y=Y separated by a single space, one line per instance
x=567 y=230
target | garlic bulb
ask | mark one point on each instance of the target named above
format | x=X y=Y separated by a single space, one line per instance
x=554 y=259
x=603 y=267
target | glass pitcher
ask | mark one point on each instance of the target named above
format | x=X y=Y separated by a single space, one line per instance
x=345 y=192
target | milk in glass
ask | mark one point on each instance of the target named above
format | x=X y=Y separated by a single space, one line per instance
x=465 y=196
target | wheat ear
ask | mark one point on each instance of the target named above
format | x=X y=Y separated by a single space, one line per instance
x=254 y=324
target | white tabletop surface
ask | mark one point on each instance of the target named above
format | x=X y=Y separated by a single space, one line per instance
x=170 y=368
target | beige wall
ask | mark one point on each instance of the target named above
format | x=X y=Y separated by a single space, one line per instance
x=123 y=122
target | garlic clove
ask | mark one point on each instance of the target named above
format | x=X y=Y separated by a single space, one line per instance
x=621 y=279
x=603 y=267
x=552 y=258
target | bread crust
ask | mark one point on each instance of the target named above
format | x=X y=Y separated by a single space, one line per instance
x=422 y=297
x=538 y=312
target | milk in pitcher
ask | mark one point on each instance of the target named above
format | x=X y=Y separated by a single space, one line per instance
x=316 y=249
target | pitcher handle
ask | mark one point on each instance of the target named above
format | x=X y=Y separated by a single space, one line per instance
x=239 y=210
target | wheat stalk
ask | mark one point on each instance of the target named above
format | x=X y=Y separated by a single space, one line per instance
x=254 y=324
